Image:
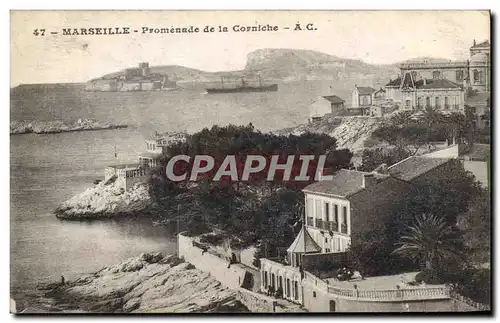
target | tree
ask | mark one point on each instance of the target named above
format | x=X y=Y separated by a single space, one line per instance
x=372 y=158
x=429 y=240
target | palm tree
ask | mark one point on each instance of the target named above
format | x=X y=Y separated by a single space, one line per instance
x=429 y=240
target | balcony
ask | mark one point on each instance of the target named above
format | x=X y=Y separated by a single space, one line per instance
x=324 y=225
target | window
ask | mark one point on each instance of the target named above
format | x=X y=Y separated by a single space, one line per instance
x=288 y=287
x=327 y=211
x=310 y=206
x=296 y=290
x=476 y=75
x=459 y=76
x=446 y=102
x=419 y=102
x=314 y=294
x=408 y=103
x=345 y=214
x=327 y=249
x=318 y=209
x=436 y=74
x=427 y=101
x=326 y=240
x=437 y=104
x=336 y=213
x=273 y=281
x=265 y=279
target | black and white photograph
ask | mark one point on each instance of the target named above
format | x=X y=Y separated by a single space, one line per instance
x=270 y=161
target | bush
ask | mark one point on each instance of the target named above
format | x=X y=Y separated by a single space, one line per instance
x=213 y=239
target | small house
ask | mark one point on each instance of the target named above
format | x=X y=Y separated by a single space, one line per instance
x=362 y=98
x=330 y=104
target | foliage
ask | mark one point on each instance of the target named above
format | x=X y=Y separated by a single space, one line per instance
x=372 y=158
x=256 y=257
x=429 y=240
x=255 y=210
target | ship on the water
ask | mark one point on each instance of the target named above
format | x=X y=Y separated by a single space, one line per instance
x=244 y=87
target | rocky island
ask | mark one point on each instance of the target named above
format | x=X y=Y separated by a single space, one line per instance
x=149 y=283
x=57 y=126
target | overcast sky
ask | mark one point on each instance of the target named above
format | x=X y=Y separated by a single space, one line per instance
x=373 y=36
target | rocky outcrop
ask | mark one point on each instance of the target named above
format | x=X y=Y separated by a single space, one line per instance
x=105 y=199
x=150 y=283
x=351 y=132
x=46 y=127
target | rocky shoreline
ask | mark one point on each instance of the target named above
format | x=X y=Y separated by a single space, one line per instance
x=49 y=127
x=149 y=283
x=104 y=200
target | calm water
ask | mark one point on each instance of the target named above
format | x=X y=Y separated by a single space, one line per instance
x=48 y=169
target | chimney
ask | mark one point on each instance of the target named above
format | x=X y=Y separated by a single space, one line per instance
x=369 y=180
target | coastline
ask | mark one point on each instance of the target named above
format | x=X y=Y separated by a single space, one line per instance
x=113 y=127
x=148 y=283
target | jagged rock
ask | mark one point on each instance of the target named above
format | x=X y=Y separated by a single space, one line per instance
x=104 y=200
x=147 y=283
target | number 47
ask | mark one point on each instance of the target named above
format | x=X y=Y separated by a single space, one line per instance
x=39 y=32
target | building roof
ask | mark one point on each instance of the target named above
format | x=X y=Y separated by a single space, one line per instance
x=125 y=166
x=415 y=166
x=333 y=99
x=484 y=44
x=408 y=81
x=365 y=90
x=481 y=99
x=395 y=82
x=380 y=90
x=344 y=183
x=438 y=84
x=304 y=243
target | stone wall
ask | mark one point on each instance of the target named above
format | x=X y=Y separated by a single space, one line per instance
x=231 y=277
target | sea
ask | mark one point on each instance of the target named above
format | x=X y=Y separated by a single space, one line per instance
x=47 y=169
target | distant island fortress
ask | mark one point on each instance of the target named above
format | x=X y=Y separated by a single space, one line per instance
x=133 y=79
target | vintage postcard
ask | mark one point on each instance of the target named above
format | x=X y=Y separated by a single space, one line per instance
x=250 y=161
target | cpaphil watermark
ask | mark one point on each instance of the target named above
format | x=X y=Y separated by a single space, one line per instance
x=247 y=167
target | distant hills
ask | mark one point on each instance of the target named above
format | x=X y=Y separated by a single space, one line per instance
x=288 y=65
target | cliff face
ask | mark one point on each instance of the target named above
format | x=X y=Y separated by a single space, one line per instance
x=150 y=283
x=293 y=64
x=43 y=127
x=282 y=64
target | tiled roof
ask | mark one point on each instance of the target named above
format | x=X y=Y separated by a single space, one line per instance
x=438 y=84
x=304 y=243
x=478 y=99
x=415 y=166
x=344 y=183
x=396 y=82
x=365 y=90
x=333 y=99
x=483 y=44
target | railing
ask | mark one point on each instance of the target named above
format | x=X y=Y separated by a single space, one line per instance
x=341 y=291
x=468 y=301
x=319 y=223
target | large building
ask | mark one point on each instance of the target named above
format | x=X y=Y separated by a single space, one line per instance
x=445 y=85
x=336 y=210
